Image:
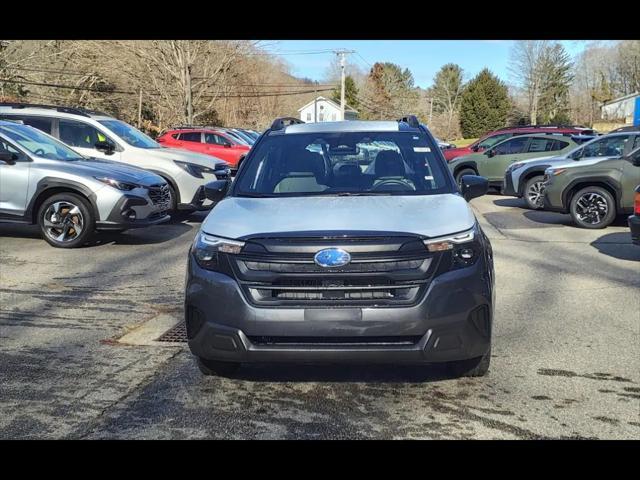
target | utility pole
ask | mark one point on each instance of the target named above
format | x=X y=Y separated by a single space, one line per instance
x=189 y=94
x=341 y=54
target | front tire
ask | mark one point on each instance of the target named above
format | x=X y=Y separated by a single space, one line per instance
x=217 y=367
x=66 y=220
x=476 y=367
x=593 y=208
x=533 y=192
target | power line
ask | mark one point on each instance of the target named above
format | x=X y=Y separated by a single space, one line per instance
x=60 y=72
x=128 y=92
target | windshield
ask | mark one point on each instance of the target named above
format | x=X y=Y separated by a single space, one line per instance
x=129 y=134
x=491 y=141
x=345 y=163
x=38 y=143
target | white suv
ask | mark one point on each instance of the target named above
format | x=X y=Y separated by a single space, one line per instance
x=99 y=135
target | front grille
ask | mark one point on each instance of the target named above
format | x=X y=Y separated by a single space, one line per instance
x=160 y=195
x=382 y=272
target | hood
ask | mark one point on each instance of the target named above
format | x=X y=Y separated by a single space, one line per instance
x=542 y=159
x=581 y=163
x=93 y=167
x=424 y=215
x=451 y=153
x=187 y=156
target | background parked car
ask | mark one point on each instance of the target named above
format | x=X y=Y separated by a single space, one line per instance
x=95 y=134
x=525 y=178
x=493 y=162
x=208 y=141
x=634 y=220
x=594 y=194
x=44 y=182
x=496 y=136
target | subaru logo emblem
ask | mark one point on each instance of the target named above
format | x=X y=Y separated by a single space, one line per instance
x=332 y=257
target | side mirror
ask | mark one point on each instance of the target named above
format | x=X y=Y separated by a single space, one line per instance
x=106 y=147
x=215 y=190
x=490 y=153
x=227 y=145
x=475 y=148
x=473 y=186
x=8 y=157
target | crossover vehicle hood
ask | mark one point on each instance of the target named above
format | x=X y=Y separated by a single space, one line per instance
x=186 y=156
x=530 y=161
x=93 y=167
x=580 y=163
x=424 y=215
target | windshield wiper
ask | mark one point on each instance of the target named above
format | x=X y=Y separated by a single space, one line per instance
x=358 y=194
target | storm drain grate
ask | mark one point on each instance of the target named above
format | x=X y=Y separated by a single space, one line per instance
x=175 y=334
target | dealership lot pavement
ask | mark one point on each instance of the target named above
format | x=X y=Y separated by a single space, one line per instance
x=566 y=356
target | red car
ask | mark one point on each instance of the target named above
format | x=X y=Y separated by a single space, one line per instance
x=496 y=136
x=208 y=141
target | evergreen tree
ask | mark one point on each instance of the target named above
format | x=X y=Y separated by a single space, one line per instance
x=350 y=93
x=484 y=106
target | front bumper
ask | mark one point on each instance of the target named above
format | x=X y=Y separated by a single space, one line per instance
x=453 y=321
x=634 y=225
x=507 y=186
x=145 y=213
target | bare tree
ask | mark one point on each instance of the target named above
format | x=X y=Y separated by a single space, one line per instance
x=445 y=92
x=527 y=69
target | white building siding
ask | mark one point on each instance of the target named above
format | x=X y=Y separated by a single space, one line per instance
x=324 y=110
x=622 y=108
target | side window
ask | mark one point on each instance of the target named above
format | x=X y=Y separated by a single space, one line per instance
x=510 y=147
x=558 y=145
x=78 y=134
x=540 y=145
x=214 y=139
x=636 y=144
x=191 y=137
x=607 y=147
x=41 y=123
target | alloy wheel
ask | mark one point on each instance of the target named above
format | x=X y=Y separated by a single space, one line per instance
x=592 y=208
x=63 y=221
x=535 y=194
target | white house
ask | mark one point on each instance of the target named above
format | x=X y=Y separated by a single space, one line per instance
x=322 y=109
x=621 y=108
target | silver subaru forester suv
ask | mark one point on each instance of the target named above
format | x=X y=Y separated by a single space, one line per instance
x=44 y=182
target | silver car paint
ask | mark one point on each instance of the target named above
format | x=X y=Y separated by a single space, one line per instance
x=559 y=160
x=160 y=160
x=20 y=182
x=425 y=215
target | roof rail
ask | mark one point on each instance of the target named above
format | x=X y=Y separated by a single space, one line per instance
x=544 y=126
x=412 y=120
x=280 y=123
x=74 y=111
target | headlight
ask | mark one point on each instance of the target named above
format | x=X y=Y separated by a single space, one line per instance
x=193 y=169
x=465 y=247
x=206 y=247
x=120 y=185
x=554 y=171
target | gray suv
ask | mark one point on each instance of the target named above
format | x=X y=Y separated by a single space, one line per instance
x=44 y=182
x=342 y=242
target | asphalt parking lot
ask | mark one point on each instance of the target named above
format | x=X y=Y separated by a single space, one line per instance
x=78 y=360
